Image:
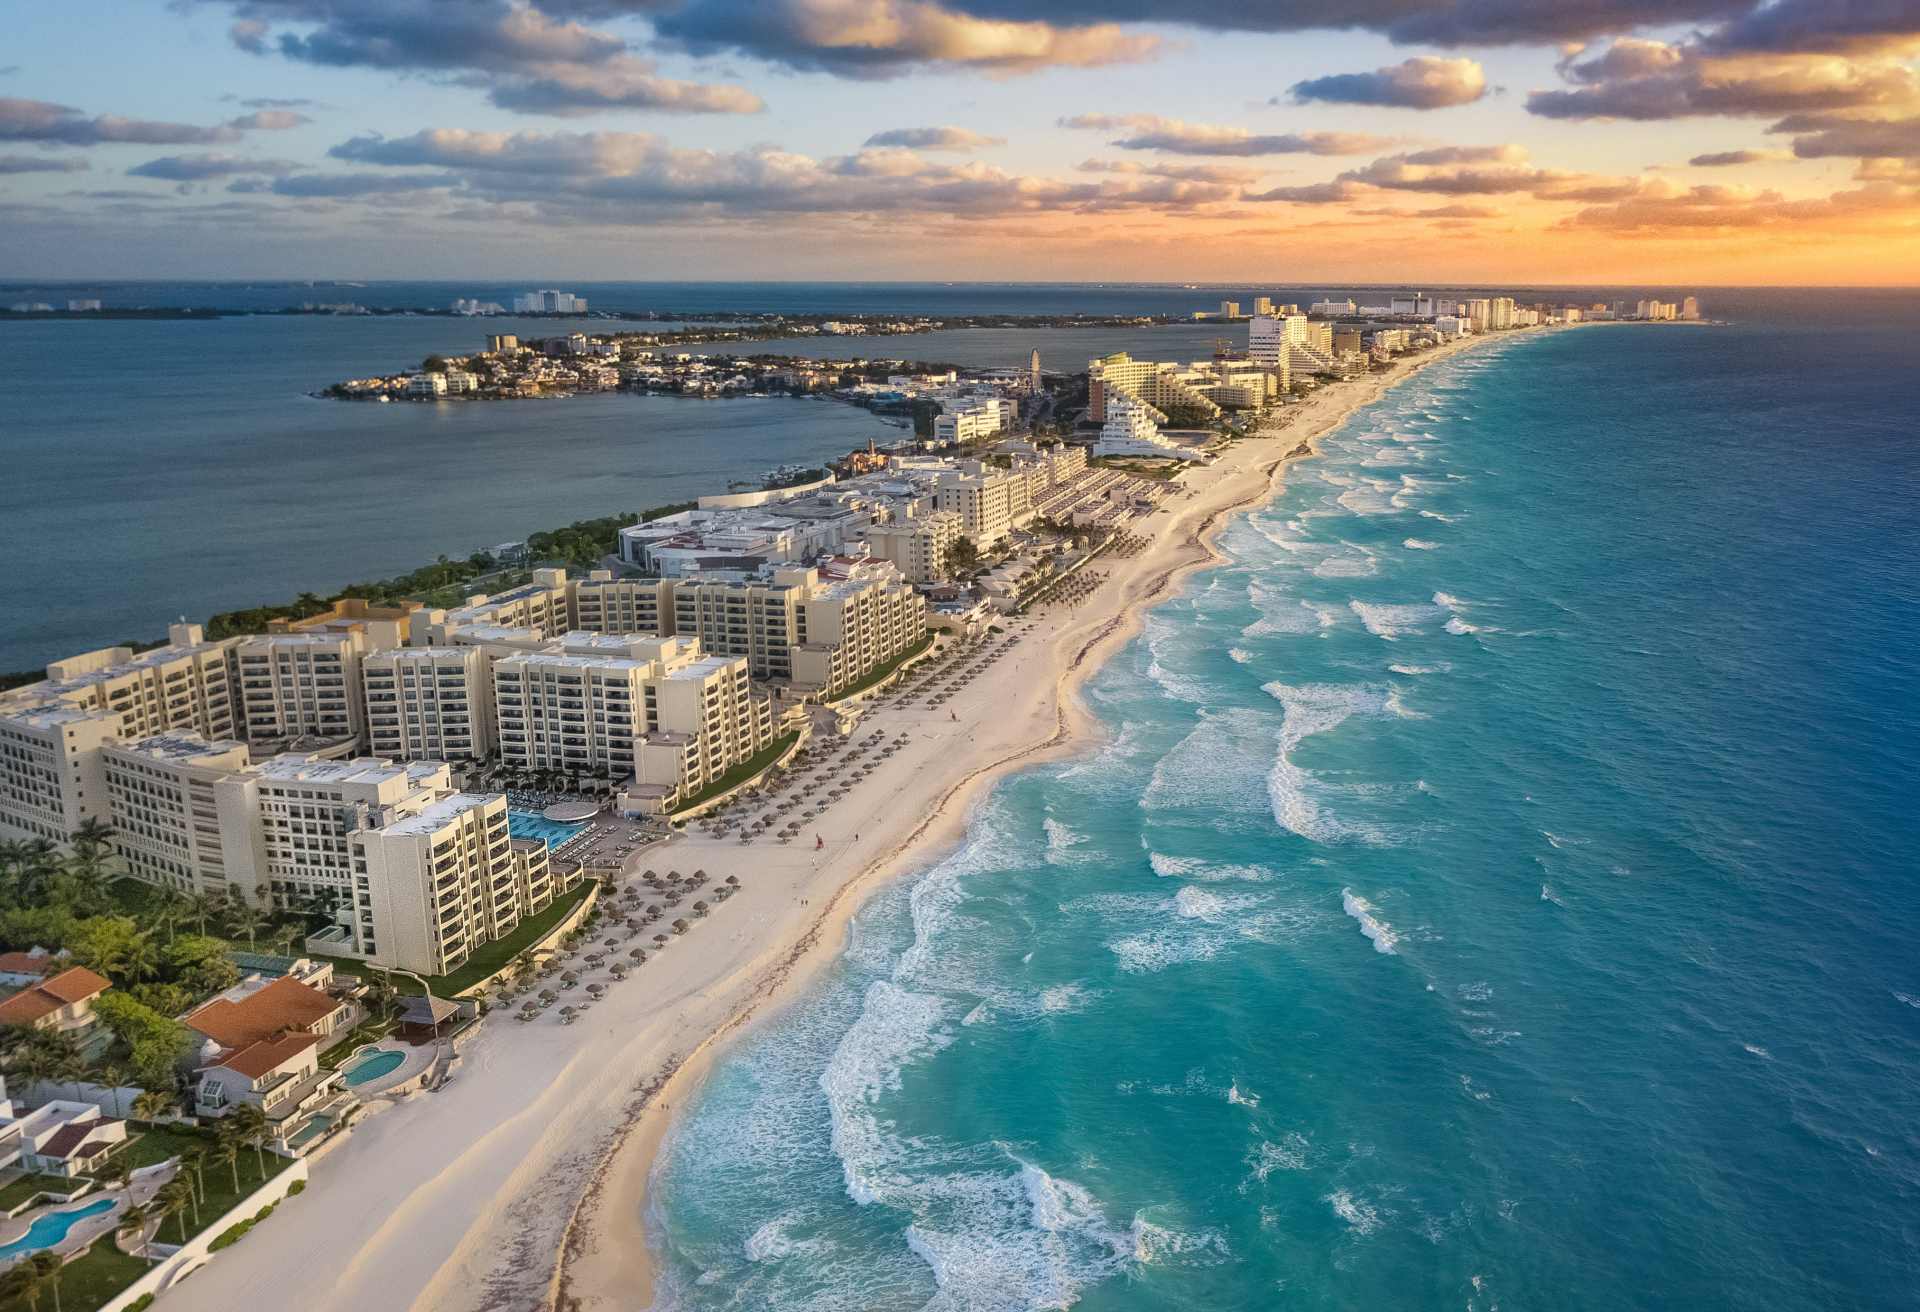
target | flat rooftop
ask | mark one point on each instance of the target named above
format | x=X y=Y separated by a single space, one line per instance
x=438 y=815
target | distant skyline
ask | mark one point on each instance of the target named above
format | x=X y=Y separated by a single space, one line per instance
x=1425 y=141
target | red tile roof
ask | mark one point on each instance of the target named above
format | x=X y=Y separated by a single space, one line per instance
x=286 y=1004
x=35 y=1003
x=268 y=1055
x=26 y=963
x=63 y=1141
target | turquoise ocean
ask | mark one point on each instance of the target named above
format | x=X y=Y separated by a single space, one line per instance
x=1495 y=888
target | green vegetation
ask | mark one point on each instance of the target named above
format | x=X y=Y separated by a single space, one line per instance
x=488 y=959
x=884 y=671
x=221 y=1166
x=741 y=773
x=233 y=1234
x=19 y=1191
x=87 y=1283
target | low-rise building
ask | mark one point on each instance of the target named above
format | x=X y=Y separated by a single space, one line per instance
x=60 y=1004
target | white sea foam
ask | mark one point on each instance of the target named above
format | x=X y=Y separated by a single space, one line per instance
x=1196 y=903
x=1379 y=931
x=1420 y=544
x=1441 y=668
x=772 y=1242
x=1062 y=840
x=1477 y=1094
x=1444 y=519
x=1907 y=998
x=1157 y=1245
x=1292 y=1153
x=1197 y=868
x=1362 y=1217
x=895 y=1027
x=1312 y=709
x=1240 y=655
x=1240 y=1098
x=1152 y=952
x=1219 y=765
x=1373 y=497
x=1171 y=665
x=1458 y=626
x=1758 y=1051
x=1397 y=707
x=1353 y=565
x=1548 y=895
x=1394 y=621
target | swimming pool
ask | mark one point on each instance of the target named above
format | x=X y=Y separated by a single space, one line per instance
x=48 y=1230
x=373 y=1066
x=531 y=824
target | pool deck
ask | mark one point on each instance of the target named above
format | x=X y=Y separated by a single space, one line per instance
x=416 y=1061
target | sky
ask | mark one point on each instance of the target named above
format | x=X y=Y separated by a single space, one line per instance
x=1673 y=142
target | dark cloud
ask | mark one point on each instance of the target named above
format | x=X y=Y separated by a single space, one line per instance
x=886 y=38
x=934 y=139
x=1423 y=82
x=1317 y=193
x=1221 y=173
x=1821 y=27
x=42 y=164
x=1645 y=80
x=345 y=185
x=273 y=102
x=1720 y=159
x=1149 y=132
x=41 y=120
x=528 y=60
x=1826 y=136
x=200 y=168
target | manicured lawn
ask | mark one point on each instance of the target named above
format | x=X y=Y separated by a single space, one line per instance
x=27 y=1186
x=88 y=1282
x=742 y=772
x=365 y=1032
x=918 y=649
x=156 y=1144
x=491 y=957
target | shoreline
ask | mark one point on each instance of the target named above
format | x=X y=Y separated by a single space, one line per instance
x=605 y=1259
x=522 y=1183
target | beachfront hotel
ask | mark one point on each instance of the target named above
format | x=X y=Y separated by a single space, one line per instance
x=51 y=732
x=1157 y=385
x=429 y=703
x=655 y=709
x=185 y=813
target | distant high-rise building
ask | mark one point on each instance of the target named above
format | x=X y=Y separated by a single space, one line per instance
x=1033 y=373
x=1229 y=309
x=1690 y=308
x=548 y=301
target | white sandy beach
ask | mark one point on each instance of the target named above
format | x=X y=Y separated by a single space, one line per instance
x=521 y=1184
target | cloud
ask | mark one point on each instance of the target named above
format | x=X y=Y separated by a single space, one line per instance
x=1455 y=171
x=1423 y=82
x=41 y=164
x=1877 y=205
x=885 y=38
x=41 y=120
x=934 y=139
x=273 y=102
x=1423 y=22
x=1822 y=136
x=268 y=120
x=1149 y=132
x=622 y=178
x=199 y=168
x=1647 y=80
x=1222 y=173
x=346 y=185
x=1720 y=159
x=1336 y=192
x=526 y=59
x=1823 y=27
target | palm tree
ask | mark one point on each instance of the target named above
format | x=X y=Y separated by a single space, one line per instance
x=245 y=918
x=174 y=1198
x=250 y=1128
x=195 y=1160
x=168 y=911
x=44 y=1269
x=201 y=908
x=152 y=1105
x=140 y=957
x=133 y=1221
x=226 y=1151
